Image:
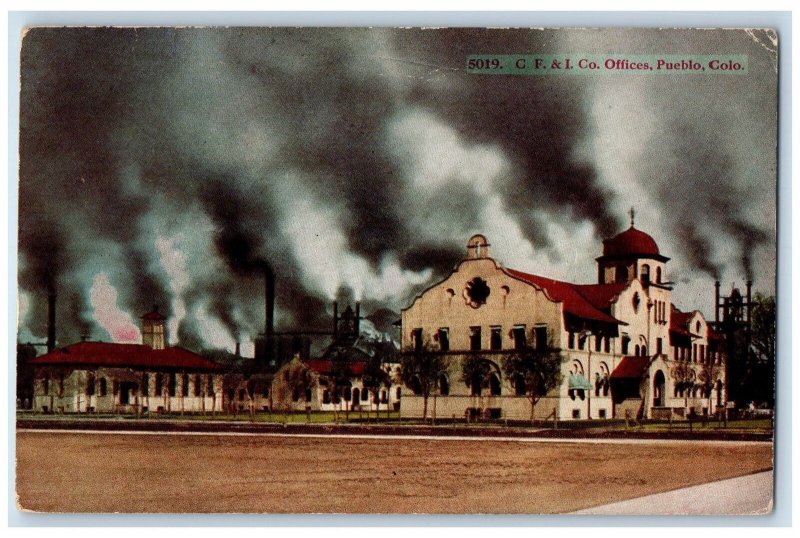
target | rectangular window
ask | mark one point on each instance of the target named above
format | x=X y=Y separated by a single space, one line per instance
x=607 y=346
x=576 y=413
x=197 y=384
x=571 y=340
x=659 y=344
x=694 y=352
x=582 y=342
x=541 y=337
x=145 y=384
x=702 y=353
x=185 y=385
x=416 y=336
x=496 y=339
x=173 y=384
x=475 y=339
x=626 y=341
x=602 y=413
x=598 y=343
x=210 y=385
x=444 y=339
x=518 y=333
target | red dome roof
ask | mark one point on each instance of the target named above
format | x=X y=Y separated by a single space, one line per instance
x=631 y=242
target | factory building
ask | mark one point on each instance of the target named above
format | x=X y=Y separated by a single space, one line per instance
x=626 y=349
x=106 y=377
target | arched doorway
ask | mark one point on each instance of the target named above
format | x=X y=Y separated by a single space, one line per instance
x=718 y=388
x=494 y=384
x=659 y=385
x=356 y=396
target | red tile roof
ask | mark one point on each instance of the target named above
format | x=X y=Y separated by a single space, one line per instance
x=155 y=315
x=570 y=295
x=631 y=367
x=104 y=354
x=679 y=323
x=326 y=367
x=601 y=295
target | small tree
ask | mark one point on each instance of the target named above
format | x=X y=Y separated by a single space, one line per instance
x=684 y=376
x=539 y=369
x=376 y=375
x=420 y=369
x=339 y=378
x=475 y=370
x=709 y=376
x=299 y=380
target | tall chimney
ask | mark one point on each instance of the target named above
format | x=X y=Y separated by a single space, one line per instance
x=269 y=291
x=238 y=350
x=358 y=318
x=51 y=319
x=716 y=304
x=749 y=303
x=335 y=320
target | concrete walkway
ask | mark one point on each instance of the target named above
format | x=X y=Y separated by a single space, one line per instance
x=745 y=495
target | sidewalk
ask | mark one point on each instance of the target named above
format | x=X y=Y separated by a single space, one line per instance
x=745 y=495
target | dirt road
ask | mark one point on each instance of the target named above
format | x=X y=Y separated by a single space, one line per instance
x=85 y=472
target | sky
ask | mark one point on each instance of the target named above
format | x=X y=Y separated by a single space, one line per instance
x=171 y=166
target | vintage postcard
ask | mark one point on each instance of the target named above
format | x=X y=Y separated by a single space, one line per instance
x=384 y=270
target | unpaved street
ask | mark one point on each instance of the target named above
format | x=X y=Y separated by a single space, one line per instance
x=86 y=472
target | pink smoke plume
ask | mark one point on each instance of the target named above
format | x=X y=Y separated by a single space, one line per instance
x=118 y=324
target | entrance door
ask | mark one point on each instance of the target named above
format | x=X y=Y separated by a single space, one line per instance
x=658 y=389
x=125 y=390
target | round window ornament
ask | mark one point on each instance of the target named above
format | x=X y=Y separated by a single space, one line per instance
x=476 y=292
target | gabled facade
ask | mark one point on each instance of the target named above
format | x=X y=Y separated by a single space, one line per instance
x=624 y=345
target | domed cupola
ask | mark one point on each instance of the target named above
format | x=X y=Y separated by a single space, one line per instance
x=632 y=242
x=629 y=255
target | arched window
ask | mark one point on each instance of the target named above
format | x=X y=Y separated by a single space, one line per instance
x=645 y=274
x=185 y=385
x=326 y=396
x=145 y=384
x=444 y=385
x=90 y=383
x=173 y=383
x=494 y=384
x=658 y=275
x=637 y=350
x=103 y=386
x=416 y=386
x=621 y=273
x=159 y=384
x=198 y=384
x=519 y=385
x=308 y=395
x=398 y=393
x=364 y=394
x=356 y=396
x=384 y=397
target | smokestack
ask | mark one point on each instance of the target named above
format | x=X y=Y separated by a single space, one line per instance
x=238 y=350
x=269 y=291
x=358 y=318
x=51 y=319
x=335 y=320
x=716 y=304
x=748 y=285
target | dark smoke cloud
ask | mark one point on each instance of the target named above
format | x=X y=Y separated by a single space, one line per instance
x=248 y=134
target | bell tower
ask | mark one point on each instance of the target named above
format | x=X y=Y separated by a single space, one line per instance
x=154 y=329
